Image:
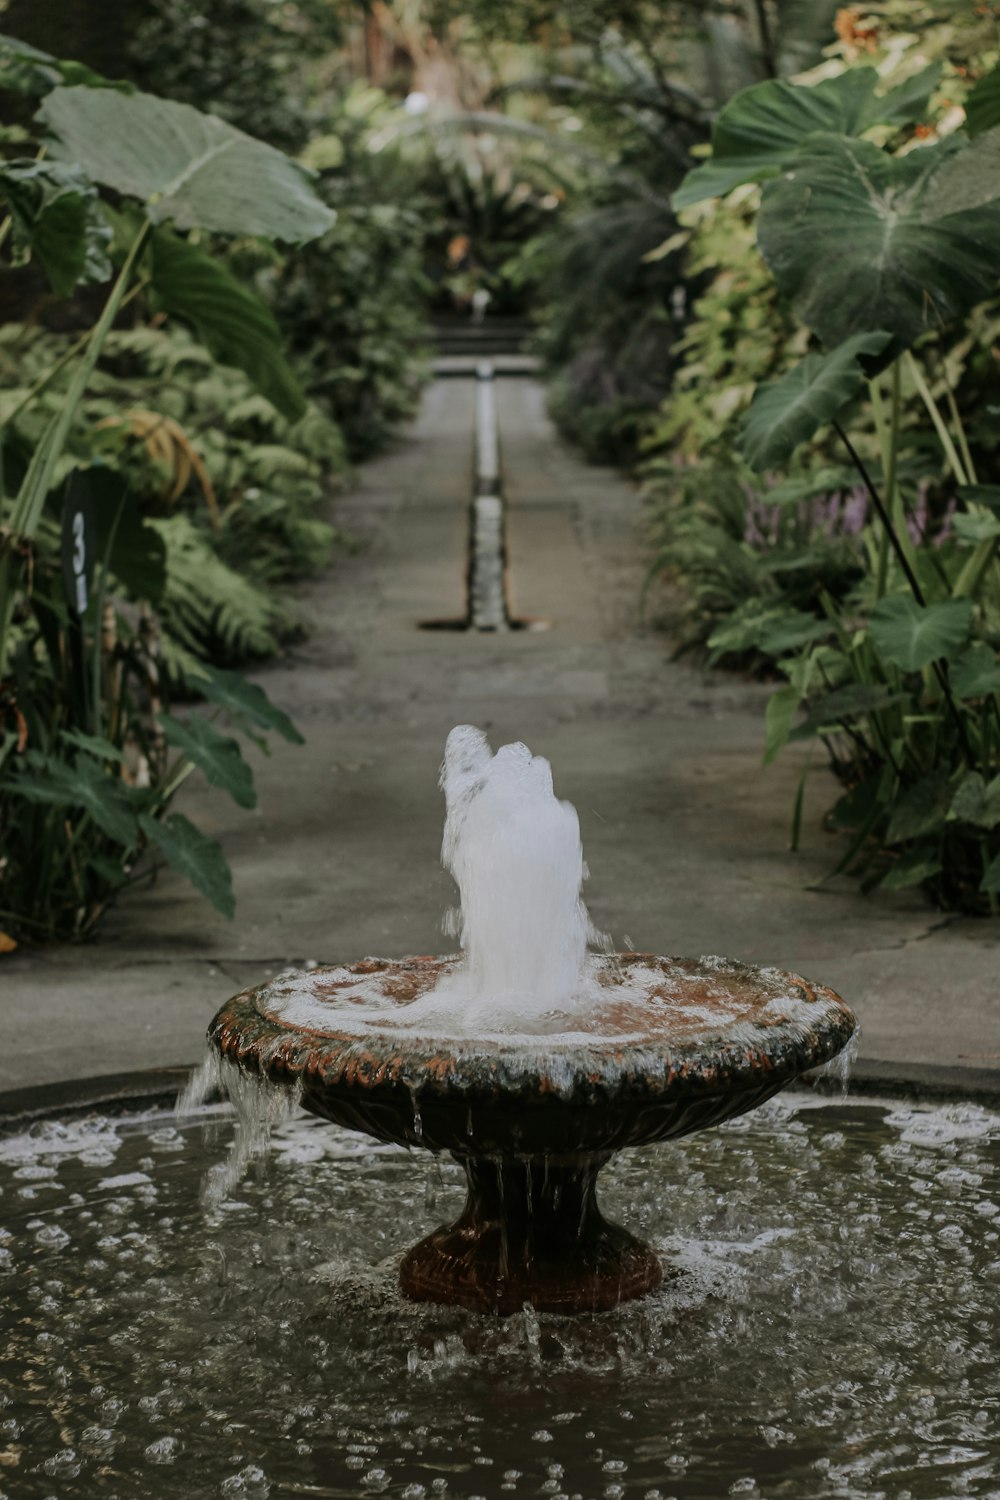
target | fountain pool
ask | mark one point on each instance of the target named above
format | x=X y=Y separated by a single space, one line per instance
x=831 y=1331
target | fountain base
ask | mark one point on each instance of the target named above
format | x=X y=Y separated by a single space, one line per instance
x=530 y=1232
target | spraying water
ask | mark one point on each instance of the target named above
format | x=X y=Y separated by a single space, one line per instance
x=514 y=850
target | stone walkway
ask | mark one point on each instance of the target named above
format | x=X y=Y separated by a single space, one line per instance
x=685 y=833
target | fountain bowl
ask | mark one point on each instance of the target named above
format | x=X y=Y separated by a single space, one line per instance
x=676 y=1046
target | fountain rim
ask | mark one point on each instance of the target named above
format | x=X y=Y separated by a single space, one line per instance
x=446 y=1068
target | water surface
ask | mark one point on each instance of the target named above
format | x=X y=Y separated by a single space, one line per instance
x=832 y=1329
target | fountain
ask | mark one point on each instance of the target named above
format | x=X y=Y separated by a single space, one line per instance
x=825 y=1327
x=527 y=1059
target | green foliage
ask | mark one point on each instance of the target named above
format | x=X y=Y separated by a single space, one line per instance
x=909 y=635
x=759 y=133
x=216 y=755
x=609 y=334
x=791 y=410
x=86 y=777
x=191 y=169
x=81 y=785
x=56 y=214
x=217 y=588
x=894 y=664
x=28 y=70
x=232 y=323
x=246 y=704
x=198 y=858
x=258 y=65
x=352 y=306
x=860 y=240
x=982 y=107
x=738 y=335
x=86 y=774
x=754 y=571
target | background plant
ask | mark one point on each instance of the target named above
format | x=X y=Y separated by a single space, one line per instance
x=90 y=755
x=898 y=675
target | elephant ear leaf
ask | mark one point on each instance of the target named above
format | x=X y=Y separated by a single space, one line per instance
x=246 y=702
x=972 y=180
x=789 y=411
x=910 y=635
x=908 y=101
x=760 y=130
x=982 y=107
x=188 y=167
x=84 y=787
x=858 y=239
x=216 y=755
x=195 y=856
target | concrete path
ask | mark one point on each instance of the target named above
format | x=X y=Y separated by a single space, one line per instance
x=685 y=833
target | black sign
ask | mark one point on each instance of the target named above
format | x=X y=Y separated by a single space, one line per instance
x=79 y=541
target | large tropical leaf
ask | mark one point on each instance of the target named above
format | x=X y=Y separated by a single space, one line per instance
x=227 y=317
x=912 y=869
x=216 y=755
x=186 y=166
x=857 y=239
x=910 y=635
x=787 y=412
x=980 y=494
x=982 y=107
x=760 y=129
x=57 y=213
x=977 y=801
x=195 y=856
x=853 y=700
x=779 y=715
x=84 y=785
x=244 y=701
x=972 y=179
x=975 y=672
x=922 y=809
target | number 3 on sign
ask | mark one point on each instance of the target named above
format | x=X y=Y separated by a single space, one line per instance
x=80 y=561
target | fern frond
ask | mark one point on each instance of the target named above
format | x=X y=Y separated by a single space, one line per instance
x=208 y=607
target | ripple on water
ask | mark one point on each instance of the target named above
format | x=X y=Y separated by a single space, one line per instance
x=828 y=1326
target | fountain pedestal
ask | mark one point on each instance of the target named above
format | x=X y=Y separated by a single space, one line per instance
x=678 y=1045
x=530 y=1231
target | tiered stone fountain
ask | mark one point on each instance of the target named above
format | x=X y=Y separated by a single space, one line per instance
x=528 y=1061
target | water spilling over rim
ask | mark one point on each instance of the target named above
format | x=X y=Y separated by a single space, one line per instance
x=679 y=1045
x=656 y=1023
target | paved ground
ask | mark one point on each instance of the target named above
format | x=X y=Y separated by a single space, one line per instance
x=685 y=833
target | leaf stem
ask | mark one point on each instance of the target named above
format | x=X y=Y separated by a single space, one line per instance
x=890 y=459
x=48 y=450
x=944 y=436
x=940 y=670
x=882 y=513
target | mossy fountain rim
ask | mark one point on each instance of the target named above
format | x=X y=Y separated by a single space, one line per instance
x=534 y=1118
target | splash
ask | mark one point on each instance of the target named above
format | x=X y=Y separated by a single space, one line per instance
x=260 y=1106
x=515 y=853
